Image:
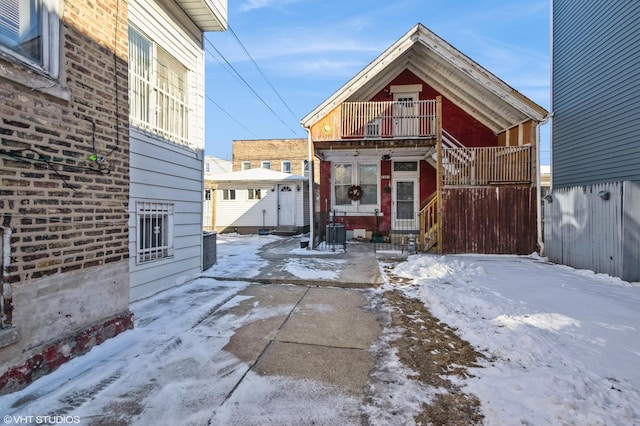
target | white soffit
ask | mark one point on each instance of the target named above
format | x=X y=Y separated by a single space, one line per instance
x=208 y=15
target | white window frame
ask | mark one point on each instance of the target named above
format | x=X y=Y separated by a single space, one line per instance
x=154 y=224
x=288 y=169
x=254 y=194
x=228 y=194
x=346 y=184
x=356 y=206
x=305 y=168
x=246 y=165
x=49 y=61
x=158 y=89
x=265 y=164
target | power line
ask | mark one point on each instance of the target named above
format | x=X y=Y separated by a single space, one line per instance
x=248 y=85
x=261 y=73
x=230 y=116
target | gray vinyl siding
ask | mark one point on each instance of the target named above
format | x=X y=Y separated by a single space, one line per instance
x=596 y=92
x=165 y=172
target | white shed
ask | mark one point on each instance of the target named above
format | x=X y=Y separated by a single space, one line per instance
x=252 y=200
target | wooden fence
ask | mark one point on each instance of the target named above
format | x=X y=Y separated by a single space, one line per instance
x=491 y=220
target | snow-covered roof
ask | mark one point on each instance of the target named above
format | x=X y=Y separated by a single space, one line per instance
x=258 y=175
x=456 y=76
x=217 y=166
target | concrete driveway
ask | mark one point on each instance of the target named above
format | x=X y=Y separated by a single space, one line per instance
x=278 y=348
x=322 y=335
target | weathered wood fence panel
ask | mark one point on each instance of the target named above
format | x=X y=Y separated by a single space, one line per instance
x=584 y=227
x=491 y=220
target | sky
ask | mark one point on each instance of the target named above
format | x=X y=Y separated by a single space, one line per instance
x=301 y=51
x=561 y=346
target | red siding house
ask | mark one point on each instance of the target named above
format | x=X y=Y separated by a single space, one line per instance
x=426 y=142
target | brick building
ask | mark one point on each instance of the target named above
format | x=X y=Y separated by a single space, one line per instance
x=64 y=169
x=282 y=155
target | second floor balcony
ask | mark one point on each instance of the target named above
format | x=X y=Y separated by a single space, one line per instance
x=388 y=119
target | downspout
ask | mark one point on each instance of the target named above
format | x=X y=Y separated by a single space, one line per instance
x=551 y=113
x=549 y=120
x=539 y=190
x=311 y=193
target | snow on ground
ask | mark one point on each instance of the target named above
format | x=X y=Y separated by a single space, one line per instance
x=562 y=345
x=237 y=255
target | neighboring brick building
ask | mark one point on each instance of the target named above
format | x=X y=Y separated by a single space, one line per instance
x=282 y=155
x=64 y=172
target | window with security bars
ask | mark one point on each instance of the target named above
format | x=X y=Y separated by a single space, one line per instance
x=157 y=89
x=155 y=231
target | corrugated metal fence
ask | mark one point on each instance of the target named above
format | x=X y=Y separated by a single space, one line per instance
x=583 y=227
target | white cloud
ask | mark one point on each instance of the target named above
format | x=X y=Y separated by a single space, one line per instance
x=327 y=68
x=260 y=4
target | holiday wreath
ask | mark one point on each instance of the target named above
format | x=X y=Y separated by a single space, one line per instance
x=355 y=192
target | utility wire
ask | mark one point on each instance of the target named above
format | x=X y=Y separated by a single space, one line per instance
x=249 y=86
x=230 y=116
x=261 y=73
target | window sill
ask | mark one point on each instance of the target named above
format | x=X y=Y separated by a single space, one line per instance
x=35 y=81
x=346 y=211
x=9 y=336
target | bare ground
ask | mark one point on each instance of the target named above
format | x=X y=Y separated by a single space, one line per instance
x=436 y=353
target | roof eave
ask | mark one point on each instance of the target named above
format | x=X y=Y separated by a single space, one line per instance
x=361 y=78
x=465 y=65
x=208 y=15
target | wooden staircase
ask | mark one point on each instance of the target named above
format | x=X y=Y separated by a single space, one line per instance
x=429 y=231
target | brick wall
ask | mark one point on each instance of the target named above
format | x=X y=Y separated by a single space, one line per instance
x=274 y=150
x=66 y=211
x=64 y=191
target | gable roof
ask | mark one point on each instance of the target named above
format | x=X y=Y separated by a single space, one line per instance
x=257 y=175
x=456 y=76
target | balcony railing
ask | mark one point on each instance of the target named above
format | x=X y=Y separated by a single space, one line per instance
x=389 y=119
x=486 y=166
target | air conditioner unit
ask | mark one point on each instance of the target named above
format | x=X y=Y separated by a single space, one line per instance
x=372 y=129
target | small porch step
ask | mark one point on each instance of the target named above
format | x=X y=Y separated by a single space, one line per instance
x=286 y=231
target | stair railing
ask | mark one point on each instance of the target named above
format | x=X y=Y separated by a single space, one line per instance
x=429 y=224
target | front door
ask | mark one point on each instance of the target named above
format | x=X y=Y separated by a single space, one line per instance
x=405 y=115
x=286 y=205
x=405 y=201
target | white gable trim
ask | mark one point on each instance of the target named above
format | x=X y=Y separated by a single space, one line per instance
x=468 y=79
x=405 y=88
